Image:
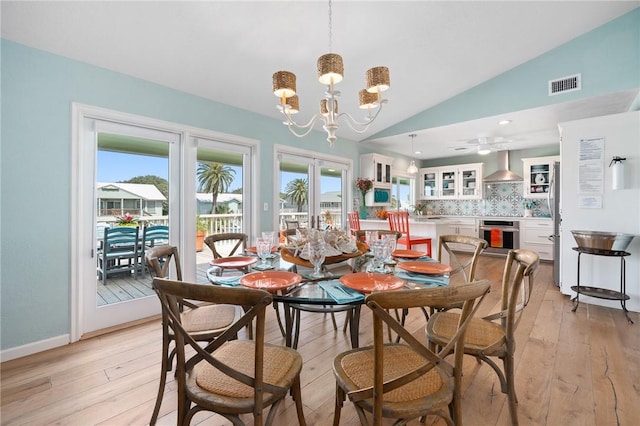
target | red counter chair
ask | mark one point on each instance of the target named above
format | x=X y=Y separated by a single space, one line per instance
x=399 y=221
x=354 y=222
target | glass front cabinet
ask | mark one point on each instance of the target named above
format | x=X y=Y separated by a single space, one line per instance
x=538 y=174
x=462 y=181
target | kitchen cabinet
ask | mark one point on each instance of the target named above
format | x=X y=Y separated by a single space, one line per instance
x=377 y=168
x=534 y=235
x=463 y=181
x=460 y=226
x=538 y=175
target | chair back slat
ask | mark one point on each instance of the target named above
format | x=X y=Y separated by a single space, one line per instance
x=399 y=221
x=451 y=244
x=354 y=221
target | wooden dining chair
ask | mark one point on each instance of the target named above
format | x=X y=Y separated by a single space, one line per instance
x=203 y=322
x=494 y=335
x=399 y=221
x=226 y=245
x=406 y=380
x=229 y=376
x=354 y=221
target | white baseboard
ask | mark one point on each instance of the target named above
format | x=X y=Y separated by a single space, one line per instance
x=35 y=347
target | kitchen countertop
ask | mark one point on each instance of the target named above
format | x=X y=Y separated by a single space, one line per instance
x=437 y=218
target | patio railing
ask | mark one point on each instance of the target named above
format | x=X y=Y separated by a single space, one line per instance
x=232 y=222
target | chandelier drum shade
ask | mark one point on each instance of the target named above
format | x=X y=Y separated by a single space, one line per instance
x=331 y=72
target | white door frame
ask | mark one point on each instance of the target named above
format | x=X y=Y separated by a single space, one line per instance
x=182 y=172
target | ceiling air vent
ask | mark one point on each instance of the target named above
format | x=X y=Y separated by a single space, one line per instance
x=565 y=84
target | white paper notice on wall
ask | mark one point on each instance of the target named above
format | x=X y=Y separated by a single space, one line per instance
x=590 y=201
x=591 y=173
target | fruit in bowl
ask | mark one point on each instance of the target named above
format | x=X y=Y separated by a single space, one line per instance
x=381 y=214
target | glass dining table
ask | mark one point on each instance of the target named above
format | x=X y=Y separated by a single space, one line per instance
x=325 y=294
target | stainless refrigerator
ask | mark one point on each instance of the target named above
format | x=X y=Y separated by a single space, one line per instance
x=554 y=208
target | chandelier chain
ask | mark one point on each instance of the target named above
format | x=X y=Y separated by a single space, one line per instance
x=330 y=27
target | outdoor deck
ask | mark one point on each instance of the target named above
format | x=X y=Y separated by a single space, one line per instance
x=123 y=287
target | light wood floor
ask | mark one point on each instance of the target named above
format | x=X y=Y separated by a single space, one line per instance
x=572 y=369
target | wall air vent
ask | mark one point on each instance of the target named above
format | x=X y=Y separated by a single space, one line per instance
x=565 y=84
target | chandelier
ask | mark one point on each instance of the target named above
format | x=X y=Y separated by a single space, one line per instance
x=412 y=166
x=330 y=72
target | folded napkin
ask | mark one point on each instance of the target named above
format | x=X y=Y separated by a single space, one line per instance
x=435 y=280
x=340 y=293
x=423 y=259
x=259 y=267
x=230 y=282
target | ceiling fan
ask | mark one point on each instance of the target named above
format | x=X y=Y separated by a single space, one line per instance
x=483 y=145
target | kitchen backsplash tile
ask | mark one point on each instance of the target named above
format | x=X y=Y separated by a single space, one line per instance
x=500 y=199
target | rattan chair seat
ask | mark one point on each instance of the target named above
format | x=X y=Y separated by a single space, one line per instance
x=399 y=360
x=281 y=365
x=480 y=334
x=208 y=319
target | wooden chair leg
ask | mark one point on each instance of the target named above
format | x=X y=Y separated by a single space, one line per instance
x=165 y=366
x=338 y=407
x=297 y=397
x=511 y=389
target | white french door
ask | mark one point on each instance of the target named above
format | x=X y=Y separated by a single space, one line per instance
x=328 y=192
x=129 y=146
x=115 y=150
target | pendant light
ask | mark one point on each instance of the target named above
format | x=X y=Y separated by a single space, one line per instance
x=412 y=166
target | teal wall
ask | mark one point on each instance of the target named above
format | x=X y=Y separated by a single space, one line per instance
x=37 y=91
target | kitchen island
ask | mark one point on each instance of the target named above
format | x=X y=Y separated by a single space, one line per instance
x=422 y=227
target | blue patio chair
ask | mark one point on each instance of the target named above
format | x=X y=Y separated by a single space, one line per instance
x=152 y=236
x=120 y=252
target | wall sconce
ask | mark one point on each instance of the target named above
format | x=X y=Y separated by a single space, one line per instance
x=617 y=172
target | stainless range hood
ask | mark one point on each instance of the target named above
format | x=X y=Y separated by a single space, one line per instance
x=503 y=174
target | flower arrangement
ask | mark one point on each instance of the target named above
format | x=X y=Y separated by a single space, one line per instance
x=419 y=208
x=364 y=185
x=127 y=220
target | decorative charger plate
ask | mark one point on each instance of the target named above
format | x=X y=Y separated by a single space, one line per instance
x=367 y=282
x=234 y=261
x=254 y=249
x=408 y=254
x=270 y=280
x=427 y=268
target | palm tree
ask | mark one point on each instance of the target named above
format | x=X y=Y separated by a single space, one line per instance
x=214 y=178
x=296 y=192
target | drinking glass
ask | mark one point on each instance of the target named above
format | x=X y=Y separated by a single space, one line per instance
x=380 y=250
x=269 y=236
x=317 y=256
x=391 y=242
x=263 y=249
x=371 y=237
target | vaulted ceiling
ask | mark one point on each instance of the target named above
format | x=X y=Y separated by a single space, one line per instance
x=227 y=51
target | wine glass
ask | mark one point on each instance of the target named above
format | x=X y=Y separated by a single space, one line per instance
x=263 y=249
x=316 y=256
x=268 y=235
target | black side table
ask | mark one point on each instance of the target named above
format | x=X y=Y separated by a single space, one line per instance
x=603 y=293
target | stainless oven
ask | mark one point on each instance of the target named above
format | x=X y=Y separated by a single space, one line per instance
x=502 y=235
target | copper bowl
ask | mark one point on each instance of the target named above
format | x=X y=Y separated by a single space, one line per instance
x=615 y=241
